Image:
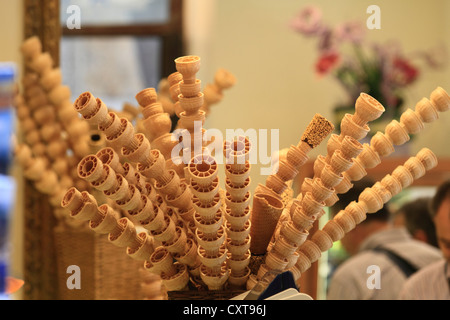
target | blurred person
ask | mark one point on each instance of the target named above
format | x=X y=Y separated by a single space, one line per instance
x=433 y=281
x=415 y=216
x=375 y=243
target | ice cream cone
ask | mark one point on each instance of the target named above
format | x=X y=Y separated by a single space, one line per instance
x=367 y=109
x=265 y=214
x=440 y=99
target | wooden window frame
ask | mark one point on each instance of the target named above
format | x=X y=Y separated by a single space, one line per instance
x=42 y=18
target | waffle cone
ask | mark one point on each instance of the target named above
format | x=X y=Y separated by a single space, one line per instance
x=189 y=256
x=292 y=234
x=214 y=281
x=274 y=261
x=145 y=250
x=240 y=248
x=345 y=221
x=296 y=157
x=303 y=262
x=322 y=240
x=178 y=281
x=239 y=281
x=311 y=250
x=264 y=219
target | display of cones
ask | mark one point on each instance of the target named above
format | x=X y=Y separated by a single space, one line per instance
x=136 y=148
x=45 y=179
x=268 y=205
x=396 y=133
x=157 y=126
x=370 y=201
x=237 y=212
x=177 y=219
x=209 y=220
x=44 y=90
x=223 y=80
x=190 y=101
x=315 y=192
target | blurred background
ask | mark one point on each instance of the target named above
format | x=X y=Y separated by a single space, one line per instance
x=282 y=54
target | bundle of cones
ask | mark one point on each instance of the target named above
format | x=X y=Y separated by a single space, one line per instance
x=55 y=138
x=166 y=207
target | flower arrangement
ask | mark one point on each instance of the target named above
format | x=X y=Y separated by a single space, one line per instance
x=383 y=71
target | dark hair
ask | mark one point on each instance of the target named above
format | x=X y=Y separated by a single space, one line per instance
x=353 y=194
x=418 y=217
x=442 y=193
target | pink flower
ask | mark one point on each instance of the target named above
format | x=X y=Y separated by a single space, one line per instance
x=351 y=31
x=308 y=21
x=327 y=62
x=436 y=57
x=327 y=41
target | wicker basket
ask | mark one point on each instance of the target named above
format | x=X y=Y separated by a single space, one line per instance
x=107 y=273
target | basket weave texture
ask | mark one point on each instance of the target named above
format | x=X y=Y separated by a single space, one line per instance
x=106 y=272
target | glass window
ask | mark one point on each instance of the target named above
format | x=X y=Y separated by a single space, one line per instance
x=118 y=12
x=114 y=69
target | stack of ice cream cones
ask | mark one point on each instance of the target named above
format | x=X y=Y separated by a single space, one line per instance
x=268 y=205
x=194 y=232
x=237 y=211
x=223 y=80
x=396 y=133
x=209 y=218
x=157 y=126
x=190 y=100
x=43 y=90
x=370 y=201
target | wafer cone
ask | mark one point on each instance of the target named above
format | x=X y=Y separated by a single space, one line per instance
x=238 y=235
x=275 y=262
x=416 y=167
x=440 y=99
x=177 y=244
x=381 y=144
x=318 y=129
x=144 y=250
x=239 y=281
x=371 y=199
x=265 y=214
x=367 y=109
x=237 y=153
x=382 y=191
x=349 y=127
x=296 y=157
x=311 y=250
x=428 y=158
x=403 y=175
x=411 y=121
x=292 y=234
x=397 y=133
x=125 y=235
x=177 y=282
x=301 y=220
x=189 y=256
x=214 y=281
x=166 y=233
x=322 y=240
x=161 y=261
